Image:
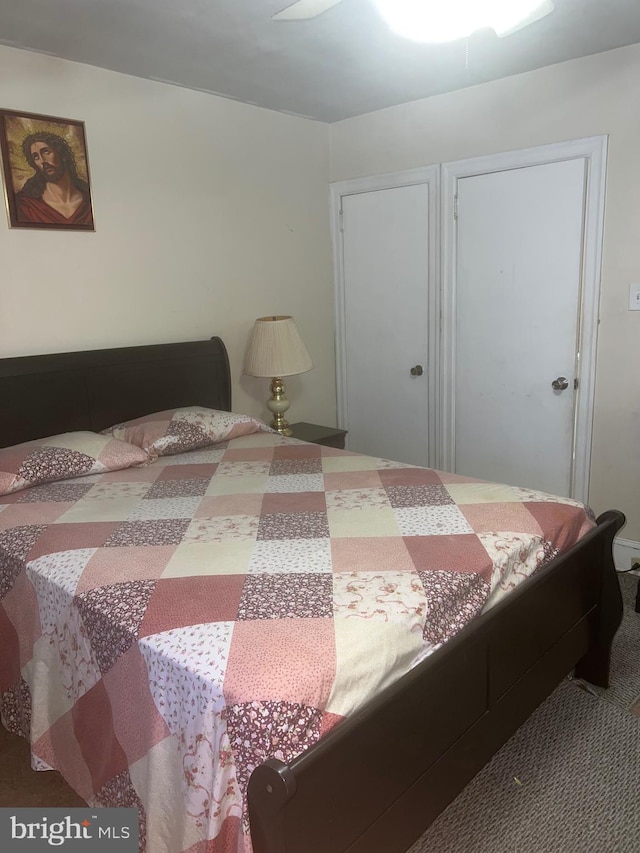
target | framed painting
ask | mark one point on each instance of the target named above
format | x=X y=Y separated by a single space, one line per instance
x=46 y=172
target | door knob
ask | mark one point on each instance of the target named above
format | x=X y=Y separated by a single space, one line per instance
x=560 y=383
x=417 y=370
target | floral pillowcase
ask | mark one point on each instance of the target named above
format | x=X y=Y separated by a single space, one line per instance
x=179 y=430
x=60 y=457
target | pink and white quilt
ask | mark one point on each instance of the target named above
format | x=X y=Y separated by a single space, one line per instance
x=164 y=629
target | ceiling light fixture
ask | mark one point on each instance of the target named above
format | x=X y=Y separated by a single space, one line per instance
x=437 y=21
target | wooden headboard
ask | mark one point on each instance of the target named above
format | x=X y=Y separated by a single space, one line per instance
x=45 y=395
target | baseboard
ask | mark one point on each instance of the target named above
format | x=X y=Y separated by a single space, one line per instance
x=625 y=552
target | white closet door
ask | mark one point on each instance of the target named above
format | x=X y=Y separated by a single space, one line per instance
x=385 y=245
x=516 y=308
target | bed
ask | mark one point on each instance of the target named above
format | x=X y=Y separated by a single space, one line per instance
x=362 y=779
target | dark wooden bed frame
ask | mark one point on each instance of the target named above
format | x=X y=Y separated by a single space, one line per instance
x=375 y=782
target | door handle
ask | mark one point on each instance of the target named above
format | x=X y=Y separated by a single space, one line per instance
x=417 y=370
x=560 y=384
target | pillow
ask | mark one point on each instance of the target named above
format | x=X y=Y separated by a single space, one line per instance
x=60 y=457
x=189 y=428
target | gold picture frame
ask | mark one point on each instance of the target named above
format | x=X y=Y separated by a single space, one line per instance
x=46 y=172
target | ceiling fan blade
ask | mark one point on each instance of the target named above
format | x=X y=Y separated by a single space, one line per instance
x=304 y=9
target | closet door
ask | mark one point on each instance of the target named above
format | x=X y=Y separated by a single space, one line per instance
x=522 y=242
x=477 y=298
x=518 y=284
x=384 y=368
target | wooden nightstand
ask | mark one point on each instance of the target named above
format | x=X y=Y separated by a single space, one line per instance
x=329 y=436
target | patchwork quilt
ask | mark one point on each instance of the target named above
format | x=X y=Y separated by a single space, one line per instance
x=165 y=629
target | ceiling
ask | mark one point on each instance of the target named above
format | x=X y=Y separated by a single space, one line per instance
x=341 y=64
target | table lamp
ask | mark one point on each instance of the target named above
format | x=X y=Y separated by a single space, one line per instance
x=276 y=350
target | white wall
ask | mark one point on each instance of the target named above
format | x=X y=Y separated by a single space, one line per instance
x=586 y=97
x=209 y=213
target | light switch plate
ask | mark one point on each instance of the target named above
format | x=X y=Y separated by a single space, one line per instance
x=634 y=296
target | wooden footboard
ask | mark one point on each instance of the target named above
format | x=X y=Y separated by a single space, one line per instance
x=376 y=781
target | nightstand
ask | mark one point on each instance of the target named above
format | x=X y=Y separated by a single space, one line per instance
x=329 y=436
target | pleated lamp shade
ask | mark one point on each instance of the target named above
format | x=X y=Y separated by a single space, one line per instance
x=276 y=349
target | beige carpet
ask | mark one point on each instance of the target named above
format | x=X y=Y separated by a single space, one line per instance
x=568 y=781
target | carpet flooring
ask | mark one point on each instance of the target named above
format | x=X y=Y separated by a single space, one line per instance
x=568 y=781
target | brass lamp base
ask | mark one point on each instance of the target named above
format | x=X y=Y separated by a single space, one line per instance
x=278 y=405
